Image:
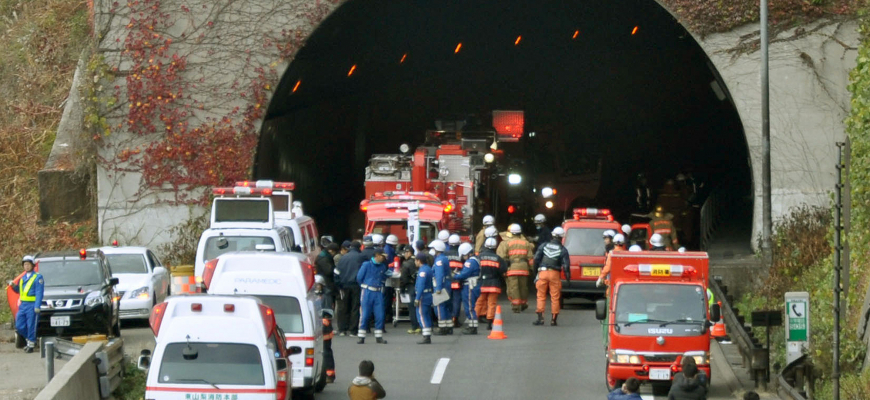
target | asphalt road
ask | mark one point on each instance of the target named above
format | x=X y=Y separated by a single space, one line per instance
x=562 y=362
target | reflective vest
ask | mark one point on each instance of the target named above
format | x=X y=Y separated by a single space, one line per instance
x=710 y=299
x=24 y=288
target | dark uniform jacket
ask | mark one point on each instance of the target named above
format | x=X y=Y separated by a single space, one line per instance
x=492 y=268
x=685 y=388
x=409 y=275
x=553 y=255
x=325 y=266
x=348 y=267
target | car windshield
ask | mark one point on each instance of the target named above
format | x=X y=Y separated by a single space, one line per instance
x=71 y=272
x=127 y=263
x=218 y=245
x=585 y=241
x=212 y=363
x=636 y=303
x=287 y=312
x=400 y=229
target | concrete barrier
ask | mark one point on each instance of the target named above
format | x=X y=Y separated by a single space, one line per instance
x=78 y=379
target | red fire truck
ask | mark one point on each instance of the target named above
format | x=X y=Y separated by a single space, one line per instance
x=656 y=315
x=398 y=213
x=584 y=239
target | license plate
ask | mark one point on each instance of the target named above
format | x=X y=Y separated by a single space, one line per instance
x=660 y=374
x=60 y=321
x=591 y=271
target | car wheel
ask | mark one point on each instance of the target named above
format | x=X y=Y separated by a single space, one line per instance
x=611 y=382
x=321 y=381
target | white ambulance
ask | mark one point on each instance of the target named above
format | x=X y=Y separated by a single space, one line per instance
x=242 y=218
x=216 y=346
x=284 y=282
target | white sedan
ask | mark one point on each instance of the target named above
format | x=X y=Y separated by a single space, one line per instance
x=143 y=280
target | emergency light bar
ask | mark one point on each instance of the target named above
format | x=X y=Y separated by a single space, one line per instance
x=242 y=190
x=267 y=184
x=593 y=213
x=661 y=270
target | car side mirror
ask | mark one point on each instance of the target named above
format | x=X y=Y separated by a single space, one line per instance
x=113 y=281
x=144 y=360
x=159 y=270
x=715 y=312
x=601 y=310
x=281 y=363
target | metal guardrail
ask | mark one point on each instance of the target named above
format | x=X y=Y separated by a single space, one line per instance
x=109 y=361
x=796 y=374
x=755 y=357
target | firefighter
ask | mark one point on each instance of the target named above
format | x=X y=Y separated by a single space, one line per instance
x=423 y=295
x=455 y=260
x=492 y=268
x=488 y=221
x=543 y=235
x=378 y=241
x=618 y=245
x=551 y=259
x=643 y=195
x=608 y=240
x=662 y=224
x=467 y=279
x=371 y=277
x=441 y=271
x=328 y=334
x=520 y=253
x=657 y=242
x=444 y=235
x=626 y=230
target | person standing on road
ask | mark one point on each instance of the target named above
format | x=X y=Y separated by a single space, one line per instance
x=618 y=245
x=423 y=293
x=662 y=224
x=520 y=253
x=328 y=335
x=492 y=268
x=630 y=390
x=30 y=289
x=552 y=260
x=455 y=260
x=365 y=386
x=368 y=249
x=690 y=384
x=345 y=247
x=407 y=286
x=371 y=278
x=467 y=280
x=349 y=290
x=389 y=291
x=657 y=242
x=488 y=221
x=325 y=266
x=543 y=235
x=441 y=271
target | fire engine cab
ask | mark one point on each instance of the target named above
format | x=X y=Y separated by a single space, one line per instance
x=584 y=239
x=657 y=314
x=410 y=216
x=227 y=346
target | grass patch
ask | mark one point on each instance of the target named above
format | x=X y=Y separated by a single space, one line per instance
x=133 y=385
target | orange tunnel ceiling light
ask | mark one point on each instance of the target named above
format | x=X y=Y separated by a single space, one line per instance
x=352 y=68
x=576 y=33
x=633 y=31
x=458 y=46
x=517 y=42
x=295 y=87
x=404 y=56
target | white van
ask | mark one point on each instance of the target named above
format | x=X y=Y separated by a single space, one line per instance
x=304 y=232
x=285 y=283
x=240 y=223
x=218 y=346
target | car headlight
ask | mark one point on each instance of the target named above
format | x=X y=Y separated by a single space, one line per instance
x=701 y=357
x=142 y=293
x=93 y=299
x=622 y=357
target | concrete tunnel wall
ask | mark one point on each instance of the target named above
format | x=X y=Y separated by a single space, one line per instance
x=809 y=100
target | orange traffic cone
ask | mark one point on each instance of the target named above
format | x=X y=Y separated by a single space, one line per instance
x=497 y=331
x=718 y=331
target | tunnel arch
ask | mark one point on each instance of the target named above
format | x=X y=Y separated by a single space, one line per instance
x=623 y=80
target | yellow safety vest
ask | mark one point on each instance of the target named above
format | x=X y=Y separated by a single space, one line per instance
x=24 y=288
x=710 y=299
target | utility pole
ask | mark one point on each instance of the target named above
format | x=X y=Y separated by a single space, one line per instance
x=838 y=229
x=767 y=221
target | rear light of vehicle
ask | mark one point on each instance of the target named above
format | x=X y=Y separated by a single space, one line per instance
x=268 y=318
x=83 y=254
x=156 y=317
x=208 y=272
x=308 y=272
x=115 y=243
x=229 y=307
x=309 y=357
x=197 y=307
x=511 y=209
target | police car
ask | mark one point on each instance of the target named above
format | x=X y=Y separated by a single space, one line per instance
x=79 y=295
x=143 y=280
x=242 y=218
x=284 y=282
x=227 y=347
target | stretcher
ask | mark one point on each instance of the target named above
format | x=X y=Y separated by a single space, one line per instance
x=401 y=309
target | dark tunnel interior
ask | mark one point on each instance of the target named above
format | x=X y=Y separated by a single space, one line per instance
x=621 y=82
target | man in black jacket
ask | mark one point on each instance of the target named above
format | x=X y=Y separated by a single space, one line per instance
x=690 y=384
x=407 y=286
x=349 y=290
x=325 y=265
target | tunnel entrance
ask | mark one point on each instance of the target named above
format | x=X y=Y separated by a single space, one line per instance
x=619 y=85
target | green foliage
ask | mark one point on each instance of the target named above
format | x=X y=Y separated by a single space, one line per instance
x=182 y=250
x=133 y=385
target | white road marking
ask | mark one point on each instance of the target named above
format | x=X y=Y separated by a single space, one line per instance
x=438 y=373
x=647 y=397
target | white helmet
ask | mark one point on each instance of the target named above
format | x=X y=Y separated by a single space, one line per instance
x=377 y=239
x=490 y=243
x=437 y=245
x=609 y=233
x=558 y=231
x=443 y=235
x=488 y=220
x=516 y=229
x=635 y=247
x=626 y=229
x=490 y=231
x=657 y=240
x=682 y=249
x=28 y=259
x=465 y=248
x=453 y=240
x=619 y=238
x=393 y=240
x=540 y=219
x=319 y=279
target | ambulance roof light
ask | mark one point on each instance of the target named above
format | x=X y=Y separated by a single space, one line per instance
x=197 y=307
x=267 y=184
x=156 y=317
x=242 y=190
